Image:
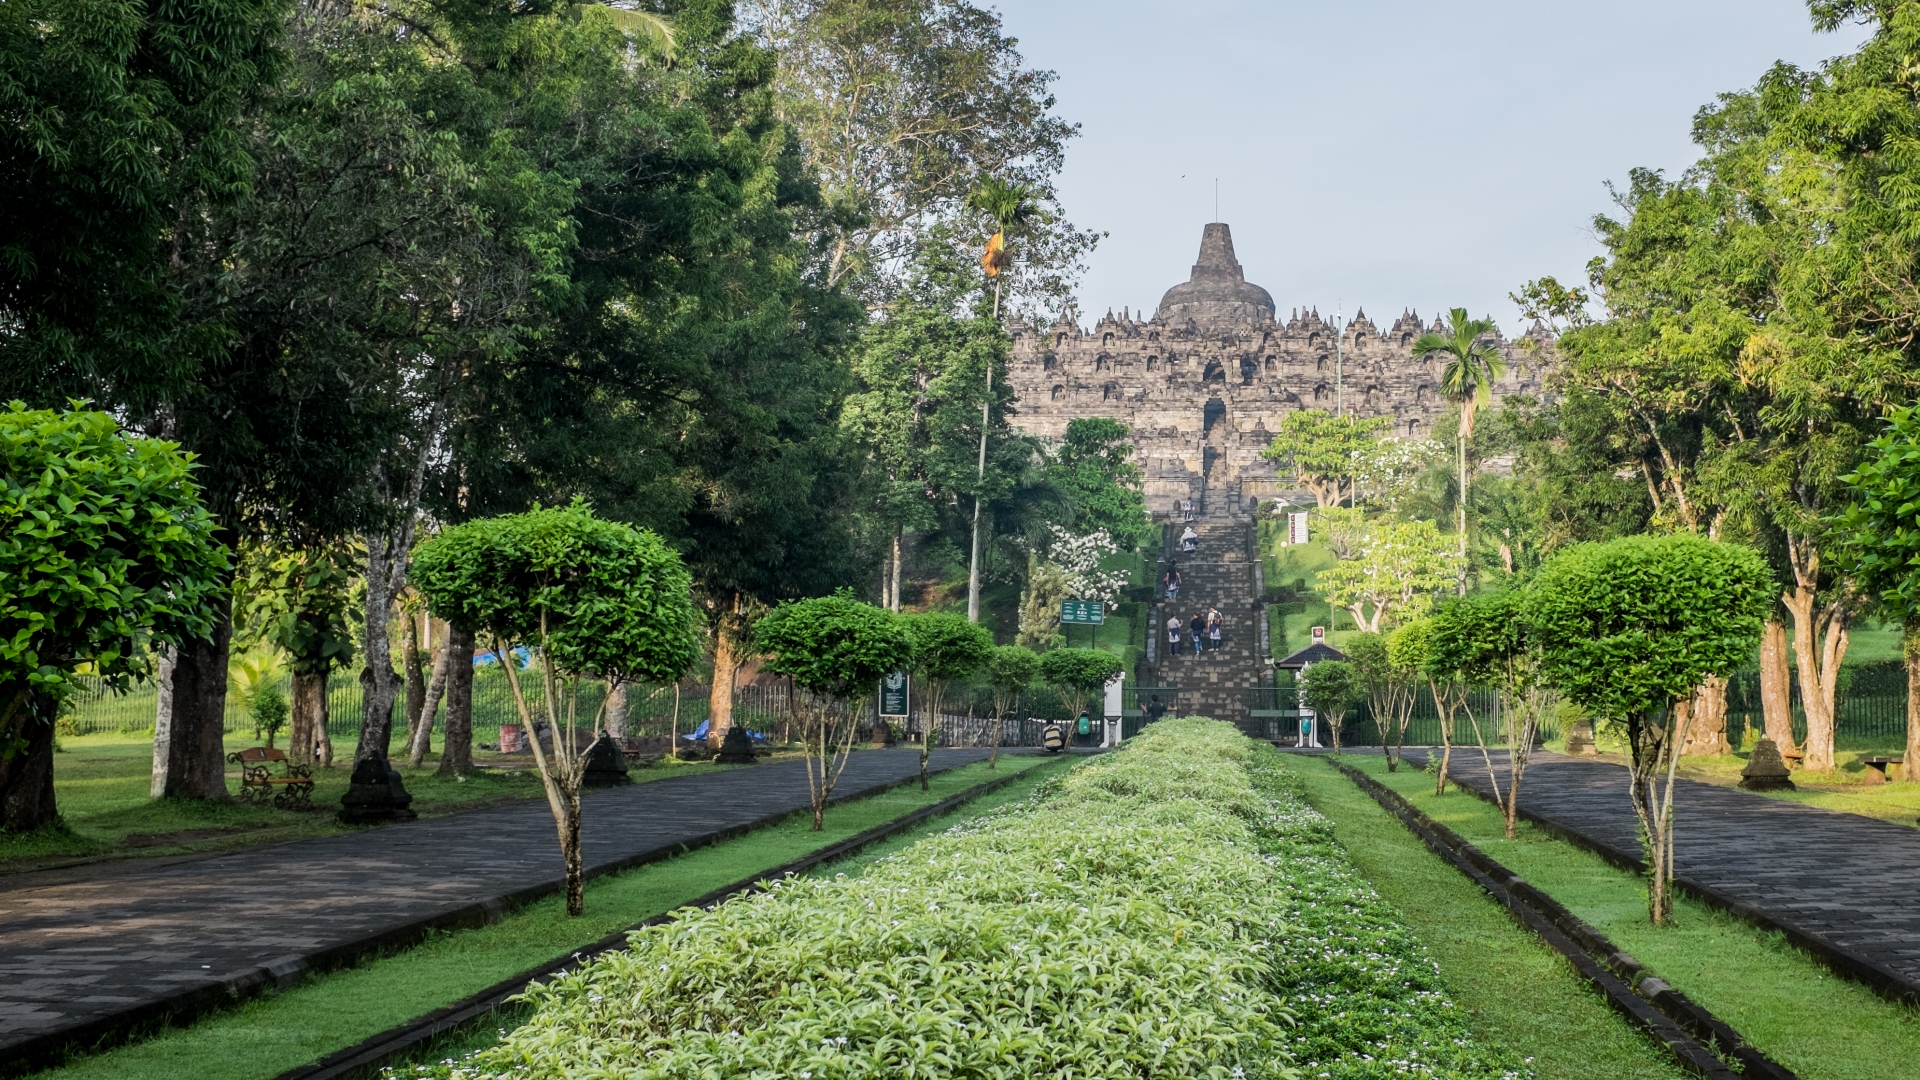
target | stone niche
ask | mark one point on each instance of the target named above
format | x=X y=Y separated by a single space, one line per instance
x=1203 y=383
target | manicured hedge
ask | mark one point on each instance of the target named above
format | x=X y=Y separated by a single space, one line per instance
x=1172 y=910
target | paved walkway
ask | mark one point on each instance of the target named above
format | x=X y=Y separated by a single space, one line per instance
x=1845 y=886
x=82 y=957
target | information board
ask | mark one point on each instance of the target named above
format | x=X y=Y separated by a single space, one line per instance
x=894 y=690
x=1083 y=612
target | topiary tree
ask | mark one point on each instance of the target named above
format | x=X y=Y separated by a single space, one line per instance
x=1012 y=669
x=591 y=598
x=837 y=649
x=1330 y=688
x=1079 y=673
x=1410 y=648
x=1485 y=640
x=105 y=553
x=1626 y=630
x=945 y=648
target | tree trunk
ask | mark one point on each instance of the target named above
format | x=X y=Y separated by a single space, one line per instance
x=570 y=850
x=381 y=682
x=1910 y=642
x=616 y=720
x=1776 y=692
x=196 y=753
x=416 y=680
x=162 y=723
x=456 y=750
x=26 y=777
x=430 y=707
x=1819 y=645
x=893 y=600
x=726 y=665
x=308 y=719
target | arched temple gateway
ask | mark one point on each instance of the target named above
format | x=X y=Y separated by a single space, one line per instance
x=1203 y=383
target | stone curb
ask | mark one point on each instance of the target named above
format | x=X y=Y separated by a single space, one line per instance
x=1693 y=1034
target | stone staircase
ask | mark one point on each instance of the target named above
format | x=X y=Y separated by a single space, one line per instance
x=1222 y=574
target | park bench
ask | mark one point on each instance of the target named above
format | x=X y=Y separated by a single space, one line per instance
x=291 y=790
x=1879 y=770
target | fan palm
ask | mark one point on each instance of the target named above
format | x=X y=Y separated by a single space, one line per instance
x=1474 y=364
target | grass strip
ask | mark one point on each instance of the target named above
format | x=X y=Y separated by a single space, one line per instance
x=1701 y=1040
x=279 y=1031
x=1166 y=910
x=1782 y=1000
x=1513 y=989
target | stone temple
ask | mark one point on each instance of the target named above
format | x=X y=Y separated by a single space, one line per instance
x=1203 y=382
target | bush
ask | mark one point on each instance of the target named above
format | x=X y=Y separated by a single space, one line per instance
x=1158 y=912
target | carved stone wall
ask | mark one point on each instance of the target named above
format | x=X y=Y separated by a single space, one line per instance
x=1204 y=382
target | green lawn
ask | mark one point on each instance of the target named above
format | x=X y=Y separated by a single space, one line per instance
x=1790 y=1006
x=268 y=1035
x=102 y=783
x=1515 y=990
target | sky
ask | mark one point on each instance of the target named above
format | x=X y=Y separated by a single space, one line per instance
x=1379 y=154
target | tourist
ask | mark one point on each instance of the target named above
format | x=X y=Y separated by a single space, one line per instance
x=1186 y=509
x=1199 y=628
x=1173 y=635
x=1170 y=584
x=1156 y=709
x=1213 y=628
x=1189 y=540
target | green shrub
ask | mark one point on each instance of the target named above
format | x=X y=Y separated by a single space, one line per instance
x=1165 y=911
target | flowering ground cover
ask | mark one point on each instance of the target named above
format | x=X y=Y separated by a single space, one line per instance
x=1171 y=910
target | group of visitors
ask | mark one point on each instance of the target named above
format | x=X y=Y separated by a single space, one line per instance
x=1205 y=631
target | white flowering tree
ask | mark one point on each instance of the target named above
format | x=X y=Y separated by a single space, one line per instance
x=1396 y=568
x=1079 y=559
x=1388 y=470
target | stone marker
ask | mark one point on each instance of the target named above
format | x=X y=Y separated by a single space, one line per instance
x=375 y=794
x=1580 y=739
x=606 y=766
x=1765 y=770
x=736 y=748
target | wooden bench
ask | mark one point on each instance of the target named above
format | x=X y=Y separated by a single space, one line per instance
x=1879 y=770
x=291 y=790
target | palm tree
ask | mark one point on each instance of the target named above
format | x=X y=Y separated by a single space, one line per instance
x=1011 y=206
x=1473 y=366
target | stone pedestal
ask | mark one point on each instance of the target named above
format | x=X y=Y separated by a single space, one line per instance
x=606 y=766
x=1765 y=770
x=882 y=734
x=375 y=794
x=1580 y=739
x=736 y=748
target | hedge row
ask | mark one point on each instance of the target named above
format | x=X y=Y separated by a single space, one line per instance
x=1172 y=910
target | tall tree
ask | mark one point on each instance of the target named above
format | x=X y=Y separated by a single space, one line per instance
x=1474 y=364
x=1012 y=209
x=1321 y=449
x=901 y=106
x=1099 y=485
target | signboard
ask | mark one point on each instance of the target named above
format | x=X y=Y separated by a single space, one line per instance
x=1086 y=612
x=1296 y=528
x=893 y=694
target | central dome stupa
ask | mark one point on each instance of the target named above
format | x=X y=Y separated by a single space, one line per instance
x=1217 y=291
